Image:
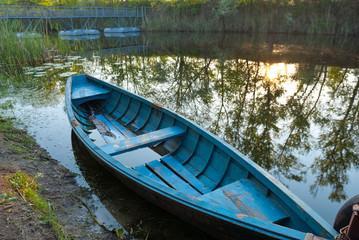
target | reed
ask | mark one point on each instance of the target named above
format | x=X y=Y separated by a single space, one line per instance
x=15 y=52
x=18 y=52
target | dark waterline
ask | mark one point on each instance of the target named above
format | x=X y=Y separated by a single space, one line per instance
x=289 y=103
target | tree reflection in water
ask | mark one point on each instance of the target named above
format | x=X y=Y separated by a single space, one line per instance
x=275 y=118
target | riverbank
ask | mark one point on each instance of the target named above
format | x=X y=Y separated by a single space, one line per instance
x=20 y=218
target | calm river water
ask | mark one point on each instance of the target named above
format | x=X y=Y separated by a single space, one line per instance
x=290 y=103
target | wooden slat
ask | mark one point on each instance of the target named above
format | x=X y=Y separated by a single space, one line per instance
x=159 y=121
x=223 y=173
x=146 y=172
x=171 y=178
x=113 y=103
x=132 y=112
x=206 y=161
x=175 y=166
x=190 y=152
x=122 y=107
x=143 y=140
x=144 y=121
x=245 y=197
x=120 y=127
x=119 y=135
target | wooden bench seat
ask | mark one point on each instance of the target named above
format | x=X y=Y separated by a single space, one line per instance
x=143 y=140
x=87 y=90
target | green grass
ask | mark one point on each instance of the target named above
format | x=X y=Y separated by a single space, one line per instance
x=27 y=187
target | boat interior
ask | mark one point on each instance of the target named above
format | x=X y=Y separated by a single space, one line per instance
x=174 y=153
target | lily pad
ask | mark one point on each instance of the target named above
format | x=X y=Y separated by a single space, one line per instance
x=49 y=64
x=40 y=74
x=73 y=57
x=40 y=68
x=67 y=74
x=60 y=66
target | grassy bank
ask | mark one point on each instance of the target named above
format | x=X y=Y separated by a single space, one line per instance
x=27 y=188
x=24 y=186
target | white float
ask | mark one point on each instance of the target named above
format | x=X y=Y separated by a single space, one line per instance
x=78 y=37
x=122 y=30
x=78 y=32
x=122 y=35
x=28 y=35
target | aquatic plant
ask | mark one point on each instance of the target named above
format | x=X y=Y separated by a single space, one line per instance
x=20 y=51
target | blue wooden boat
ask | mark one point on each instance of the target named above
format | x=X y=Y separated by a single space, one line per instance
x=185 y=169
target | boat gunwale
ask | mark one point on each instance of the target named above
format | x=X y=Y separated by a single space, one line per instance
x=283 y=193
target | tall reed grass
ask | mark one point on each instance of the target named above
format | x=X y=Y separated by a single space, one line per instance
x=18 y=52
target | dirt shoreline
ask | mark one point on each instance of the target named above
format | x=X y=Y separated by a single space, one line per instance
x=18 y=219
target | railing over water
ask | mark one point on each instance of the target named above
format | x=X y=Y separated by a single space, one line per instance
x=53 y=12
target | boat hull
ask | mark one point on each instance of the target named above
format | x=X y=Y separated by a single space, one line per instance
x=226 y=195
x=213 y=226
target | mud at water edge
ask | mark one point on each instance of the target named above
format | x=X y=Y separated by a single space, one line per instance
x=18 y=218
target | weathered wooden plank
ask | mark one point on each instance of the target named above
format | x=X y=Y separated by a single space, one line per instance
x=143 y=140
x=146 y=172
x=120 y=127
x=117 y=135
x=245 y=197
x=132 y=112
x=143 y=116
x=122 y=107
x=171 y=178
x=175 y=166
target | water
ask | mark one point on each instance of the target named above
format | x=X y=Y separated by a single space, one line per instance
x=290 y=103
